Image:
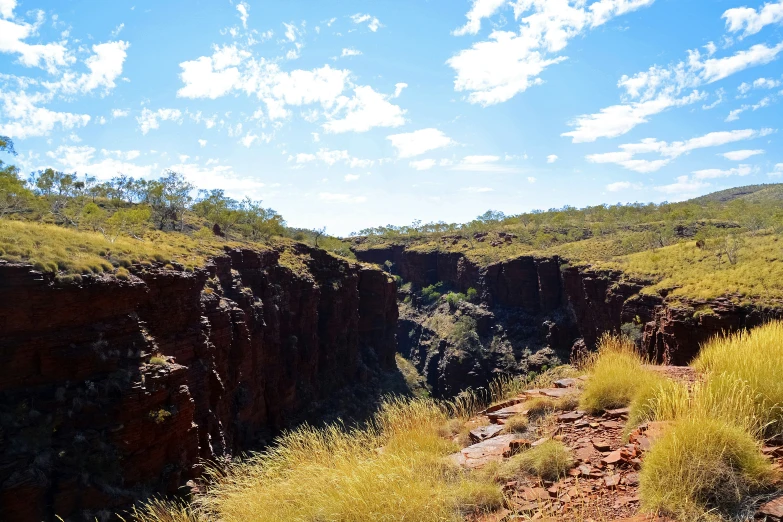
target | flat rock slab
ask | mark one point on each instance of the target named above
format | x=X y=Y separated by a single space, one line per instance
x=508 y=412
x=772 y=509
x=566 y=383
x=481 y=454
x=571 y=416
x=485 y=432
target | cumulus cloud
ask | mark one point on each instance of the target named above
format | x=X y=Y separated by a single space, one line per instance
x=149 y=120
x=331 y=157
x=479 y=10
x=24 y=117
x=683 y=186
x=351 y=177
x=49 y=56
x=483 y=163
x=626 y=156
x=508 y=63
x=373 y=24
x=551 y=158
x=425 y=164
x=7 y=8
x=741 y=155
x=416 y=143
x=350 y=52
x=477 y=190
x=751 y=21
x=742 y=170
x=82 y=159
x=119 y=113
x=230 y=69
x=244 y=13
x=657 y=89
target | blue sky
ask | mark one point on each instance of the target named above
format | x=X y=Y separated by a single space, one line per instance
x=355 y=114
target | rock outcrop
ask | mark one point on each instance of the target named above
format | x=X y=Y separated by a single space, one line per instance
x=114 y=389
x=543 y=308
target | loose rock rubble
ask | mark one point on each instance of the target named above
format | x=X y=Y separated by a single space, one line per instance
x=603 y=484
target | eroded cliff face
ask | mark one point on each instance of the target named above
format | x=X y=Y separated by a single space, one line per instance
x=534 y=312
x=89 y=420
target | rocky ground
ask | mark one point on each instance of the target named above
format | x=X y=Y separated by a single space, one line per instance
x=603 y=482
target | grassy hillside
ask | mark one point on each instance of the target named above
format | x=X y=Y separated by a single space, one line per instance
x=722 y=243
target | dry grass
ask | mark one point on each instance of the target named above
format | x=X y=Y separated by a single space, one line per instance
x=516 y=424
x=52 y=248
x=747 y=368
x=617 y=375
x=693 y=272
x=549 y=461
x=702 y=465
x=337 y=475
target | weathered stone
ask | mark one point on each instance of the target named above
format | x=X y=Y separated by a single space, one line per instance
x=481 y=454
x=773 y=508
x=485 y=432
x=571 y=416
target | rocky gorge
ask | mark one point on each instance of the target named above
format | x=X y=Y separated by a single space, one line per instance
x=534 y=312
x=115 y=389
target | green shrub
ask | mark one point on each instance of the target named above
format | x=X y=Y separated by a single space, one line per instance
x=702 y=464
x=472 y=295
x=431 y=293
x=454 y=298
x=122 y=273
x=158 y=360
x=516 y=424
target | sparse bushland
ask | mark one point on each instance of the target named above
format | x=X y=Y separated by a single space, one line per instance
x=72 y=225
x=550 y=460
x=516 y=424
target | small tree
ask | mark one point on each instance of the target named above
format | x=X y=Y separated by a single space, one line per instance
x=93 y=216
x=317 y=233
x=129 y=221
x=168 y=198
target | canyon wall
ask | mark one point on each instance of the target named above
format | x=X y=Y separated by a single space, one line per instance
x=113 y=389
x=548 y=309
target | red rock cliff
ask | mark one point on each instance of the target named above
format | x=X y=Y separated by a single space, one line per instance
x=244 y=347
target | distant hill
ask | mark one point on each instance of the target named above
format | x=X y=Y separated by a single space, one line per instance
x=754 y=193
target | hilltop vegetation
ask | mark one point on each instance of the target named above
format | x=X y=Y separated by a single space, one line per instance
x=66 y=224
x=722 y=243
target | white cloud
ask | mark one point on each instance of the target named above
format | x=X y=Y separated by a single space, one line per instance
x=683 y=186
x=81 y=159
x=508 y=63
x=416 y=143
x=119 y=113
x=752 y=20
x=741 y=155
x=715 y=69
x=480 y=160
x=373 y=24
x=734 y=115
x=231 y=69
x=117 y=30
x=49 y=56
x=350 y=52
x=477 y=190
x=150 y=120
x=766 y=83
x=742 y=170
x=7 y=8
x=341 y=198
x=531 y=179
x=398 y=88
x=425 y=164
x=617 y=120
x=657 y=89
x=24 y=118
x=248 y=139
x=244 y=13
x=366 y=110
x=316 y=137
x=622 y=185
x=744 y=88
x=669 y=151
x=202 y=143
x=290 y=32
x=551 y=158
x=778 y=172
x=330 y=158
x=105 y=67
x=480 y=9
x=352 y=177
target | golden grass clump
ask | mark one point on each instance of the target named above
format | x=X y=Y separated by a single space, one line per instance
x=746 y=369
x=550 y=460
x=396 y=469
x=702 y=464
x=516 y=424
x=617 y=374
